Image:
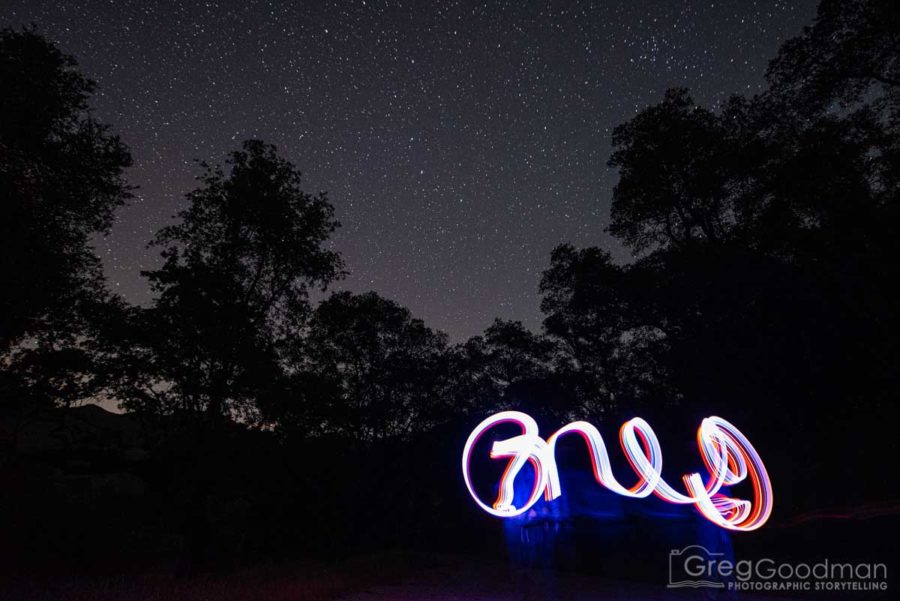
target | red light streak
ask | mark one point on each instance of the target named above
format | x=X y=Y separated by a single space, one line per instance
x=727 y=454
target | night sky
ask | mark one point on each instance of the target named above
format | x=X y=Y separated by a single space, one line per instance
x=459 y=142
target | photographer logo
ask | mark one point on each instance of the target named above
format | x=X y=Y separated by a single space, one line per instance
x=695 y=566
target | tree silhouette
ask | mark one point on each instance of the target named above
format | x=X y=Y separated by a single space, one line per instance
x=217 y=344
x=673 y=162
x=61 y=179
x=847 y=56
x=233 y=291
x=766 y=239
x=510 y=367
x=762 y=288
x=385 y=369
x=611 y=331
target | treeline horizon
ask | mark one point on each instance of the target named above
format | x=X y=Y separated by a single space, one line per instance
x=763 y=289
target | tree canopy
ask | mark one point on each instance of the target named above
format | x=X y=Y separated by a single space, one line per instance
x=61 y=179
x=233 y=290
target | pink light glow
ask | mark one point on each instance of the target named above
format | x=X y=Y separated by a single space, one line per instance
x=727 y=454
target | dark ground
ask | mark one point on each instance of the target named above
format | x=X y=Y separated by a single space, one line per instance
x=394 y=577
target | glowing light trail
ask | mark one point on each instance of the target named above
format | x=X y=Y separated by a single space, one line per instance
x=727 y=454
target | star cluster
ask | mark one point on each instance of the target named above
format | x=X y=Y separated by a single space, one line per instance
x=459 y=141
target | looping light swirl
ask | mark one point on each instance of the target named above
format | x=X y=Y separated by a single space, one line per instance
x=727 y=454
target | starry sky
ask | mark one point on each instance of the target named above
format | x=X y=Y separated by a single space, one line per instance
x=458 y=141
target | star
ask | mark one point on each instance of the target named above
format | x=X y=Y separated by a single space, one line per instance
x=459 y=142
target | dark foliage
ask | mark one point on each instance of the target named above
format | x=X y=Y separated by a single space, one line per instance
x=232 y=293
x=368 y=371
x=766 y=254
x=61 y=179
x=262 y=424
